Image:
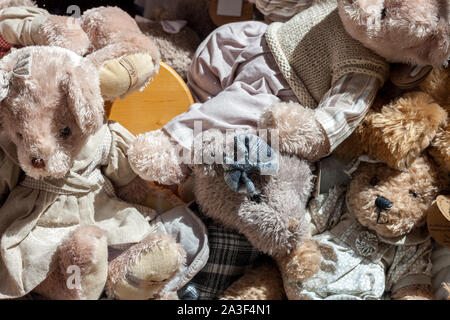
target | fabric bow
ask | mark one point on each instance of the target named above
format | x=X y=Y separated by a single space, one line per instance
x=252 y=155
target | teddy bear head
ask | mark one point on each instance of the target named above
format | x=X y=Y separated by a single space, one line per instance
x=50 y=104
x=392 y=202
x=415 y=32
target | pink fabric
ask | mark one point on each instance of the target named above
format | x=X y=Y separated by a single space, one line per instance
x=234 y=78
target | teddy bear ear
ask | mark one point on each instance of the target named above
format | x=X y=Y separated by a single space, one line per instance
x=84 y=97
x=403 y=129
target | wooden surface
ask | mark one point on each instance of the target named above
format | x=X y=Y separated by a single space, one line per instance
x=164 y=98
x=247 y=14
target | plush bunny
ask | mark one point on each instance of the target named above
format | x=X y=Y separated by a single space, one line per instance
x=61 y=165
x=126 y=58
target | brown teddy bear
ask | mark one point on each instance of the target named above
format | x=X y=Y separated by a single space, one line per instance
x=399 y=131
x=379 y=247
x=62 y=165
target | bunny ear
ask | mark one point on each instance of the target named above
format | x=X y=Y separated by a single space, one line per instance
x=22 y=69
x=23 y=66
x=5 y=78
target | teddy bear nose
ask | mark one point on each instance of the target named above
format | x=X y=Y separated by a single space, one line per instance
x=38 y=163
x=382 y=203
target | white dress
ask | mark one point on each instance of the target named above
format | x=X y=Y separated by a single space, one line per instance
x=38 y=215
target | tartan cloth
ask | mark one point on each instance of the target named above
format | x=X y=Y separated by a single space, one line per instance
x=230 y=256
x=5 y=46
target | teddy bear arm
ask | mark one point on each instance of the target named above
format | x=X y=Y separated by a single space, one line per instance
x=155 y=157
x=299 y=131
x=260 y=283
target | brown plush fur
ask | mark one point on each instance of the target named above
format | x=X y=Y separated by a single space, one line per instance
x=261 y=283
x=399 y=131
x=275 y=225
x=414 y=32
x=411 y=192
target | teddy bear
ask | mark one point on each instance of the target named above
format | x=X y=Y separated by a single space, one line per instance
x=126 y=58
x=398 y=131
x=62 y=165
x=379 y=246
x=266 y=208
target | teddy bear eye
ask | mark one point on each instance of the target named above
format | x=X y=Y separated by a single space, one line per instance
x=413 y=193
x=19 y=135
x=65 y=133
x=383 y=13
x=374 y=181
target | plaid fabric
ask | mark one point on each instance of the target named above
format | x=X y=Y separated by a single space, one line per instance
x=230 y=256
x=5 y=46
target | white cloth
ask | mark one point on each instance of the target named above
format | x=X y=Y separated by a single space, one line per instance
x=234 y=78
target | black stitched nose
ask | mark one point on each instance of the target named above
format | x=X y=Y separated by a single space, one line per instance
x=382 y=203
x=38 y=163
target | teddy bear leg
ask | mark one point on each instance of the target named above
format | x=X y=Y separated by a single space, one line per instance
x=302 y=263
x=82 y=267
x=414 y=292
x=142 y=271
x=261 y=283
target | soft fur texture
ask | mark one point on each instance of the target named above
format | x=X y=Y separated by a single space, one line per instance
x=113 y=34
x=261 y=283
x=276 y=225
x=63 y=32
x=155 y=157
x=411 y=193
x=83 y=246
x=299 y=132
x=399 y=131
x=415 y=32
x=35 y=112
x=16 y=3
x=177 y=50
x=131 y=278
x=402 y=130
x=50 y=105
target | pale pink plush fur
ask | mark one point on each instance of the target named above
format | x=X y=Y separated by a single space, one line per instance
x=52 y=98
x=415 y=32
x=114 y=33
x=45 y=91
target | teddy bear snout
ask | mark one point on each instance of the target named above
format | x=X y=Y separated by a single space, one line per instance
x=382 y=203
x=38 y=163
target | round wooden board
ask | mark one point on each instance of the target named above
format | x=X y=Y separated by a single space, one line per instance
x=164 y=98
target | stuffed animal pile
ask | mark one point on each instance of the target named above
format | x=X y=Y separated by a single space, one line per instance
x=275 y=104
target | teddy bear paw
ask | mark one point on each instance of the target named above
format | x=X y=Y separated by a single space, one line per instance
x=155 y=157
x=141 y=272
x=302 y=263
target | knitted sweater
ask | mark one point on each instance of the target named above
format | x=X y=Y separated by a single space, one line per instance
x=313 y=51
